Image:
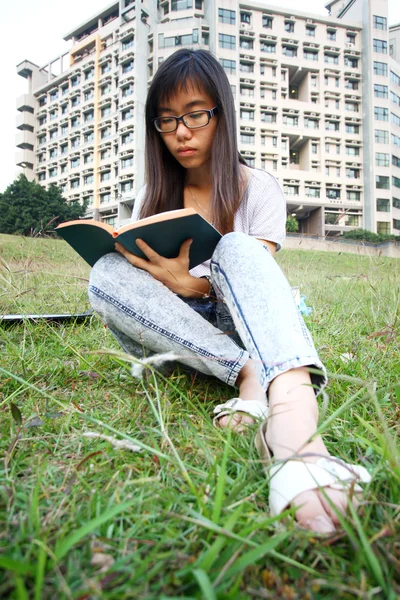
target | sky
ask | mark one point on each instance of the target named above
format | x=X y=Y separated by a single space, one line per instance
x=33 y=30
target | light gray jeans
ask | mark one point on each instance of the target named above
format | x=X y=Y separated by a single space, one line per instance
x=253 y=314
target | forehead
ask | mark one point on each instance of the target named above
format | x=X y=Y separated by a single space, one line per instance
x=187 y=96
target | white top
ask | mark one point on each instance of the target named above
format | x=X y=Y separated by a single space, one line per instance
x=261 y=213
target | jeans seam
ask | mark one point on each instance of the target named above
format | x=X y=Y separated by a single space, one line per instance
x=152 y=326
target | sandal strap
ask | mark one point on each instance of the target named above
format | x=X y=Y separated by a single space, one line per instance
x=295 y=476
x=255 y=408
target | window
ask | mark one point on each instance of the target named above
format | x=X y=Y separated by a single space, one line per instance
x=380 y=68
x=331 y=125
x=75 y=162
x=352 y=173
x=351 y=84
x=380 y=23
x=246 y=67
x=127 y=90
x=311 y=123
x=396 y=223
x=126 y=186
x=396 y=204
x=127 y=162
x=64 y=109
x=245 y=17
x=351 y=62
x=353 y=196
x=75 y=122
x=105 y=175
x=333 y=194
x=395 y=98
x=76 y=100
x=247 y=115
x=88 y=95
x=291 y=190
x=127 y=43
x=88 y=116
x=181 y=5
x=64 y=90
x=88 y=137
x=267 y=21
x=381 y=136
x=88 y=158
x=289 y=26
x=126 y=138
x=106 y=68
x=352 y=151
x=268 y=117
x=383 y=204
x=53 y=134
x=105 y=133
x=246 y=43
x=267 y=47
x=227 y=41
x=43 y=101
x=74 y=184
x=41 y=139
x=127 y=114
x=382 y=159
x=380 y=91
x=105 y=198
x=246 y=91
x=395 y=119
x=127 y=66
x=380 y=46
x=331 y=59
x=105 y=89
x=313 y=192
x=396 y=161
x=42 y=176
x=381 y=114
x=89 y=74
x=63 y=168
x=396 y=140
x=53 y=153
x=331 y=34
x=53 y=172
x=396 y=181
x=310 y=30
x=64 y=149
x=290 y=51
x=229 y=66
x=227 y=16
x=53 y=95
x=395 y=78
x=247 y=138
x=383 y=227
x=351 y=106
x=310 y=54
x=87 y=179
x=75 y=81
x=382 y=182
x=42 y=120
x=290 y=120
x=105 y=111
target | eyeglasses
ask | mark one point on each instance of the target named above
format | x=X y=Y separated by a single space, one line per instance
x=192 y=120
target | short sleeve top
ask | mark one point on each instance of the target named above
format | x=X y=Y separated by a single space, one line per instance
x=261 y=213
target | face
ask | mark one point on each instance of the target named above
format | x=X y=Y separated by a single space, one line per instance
x=190 y=147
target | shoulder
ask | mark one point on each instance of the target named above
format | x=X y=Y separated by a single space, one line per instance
x=260 y=179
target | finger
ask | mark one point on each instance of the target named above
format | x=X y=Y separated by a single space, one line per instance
x=185 y=248
x=141 y=263
x=311 y=514
x=149 y=252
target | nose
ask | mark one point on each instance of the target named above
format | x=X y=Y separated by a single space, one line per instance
x=182 y=131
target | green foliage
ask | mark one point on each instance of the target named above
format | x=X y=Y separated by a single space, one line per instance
x=363 y=235
x=292 y=224
x=27 y=208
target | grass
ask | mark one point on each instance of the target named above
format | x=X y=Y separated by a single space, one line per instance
x=186 y=517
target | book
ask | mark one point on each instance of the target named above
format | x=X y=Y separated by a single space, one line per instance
x=55 y=318
x=164 y=233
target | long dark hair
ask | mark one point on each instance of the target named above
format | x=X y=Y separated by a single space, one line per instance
x=165 y=177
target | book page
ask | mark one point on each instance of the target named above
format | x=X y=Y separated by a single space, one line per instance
x=165 y=216
x=109 y=228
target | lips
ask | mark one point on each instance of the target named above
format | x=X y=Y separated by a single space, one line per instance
x=186 y=151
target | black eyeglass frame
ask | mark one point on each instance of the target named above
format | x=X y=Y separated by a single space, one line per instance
x=211 y=113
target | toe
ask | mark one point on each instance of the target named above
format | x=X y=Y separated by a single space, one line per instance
x=236 y=421
x=311 y=513
x=336 y=501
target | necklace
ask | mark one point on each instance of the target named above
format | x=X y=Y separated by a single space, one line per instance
x=198 y=203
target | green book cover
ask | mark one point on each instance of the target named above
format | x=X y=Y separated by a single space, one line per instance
x=164 y=233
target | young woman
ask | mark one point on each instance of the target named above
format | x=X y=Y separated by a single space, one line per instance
x=158 y=305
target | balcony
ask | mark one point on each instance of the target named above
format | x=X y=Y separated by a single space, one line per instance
x=25 y=120
x=25 y=102
x=25 y=158
x=25 y=140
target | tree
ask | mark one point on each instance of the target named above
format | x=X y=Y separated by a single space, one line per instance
x=292 y=224
x=27 y=208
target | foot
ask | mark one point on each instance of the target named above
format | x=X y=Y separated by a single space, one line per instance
x=249 y=389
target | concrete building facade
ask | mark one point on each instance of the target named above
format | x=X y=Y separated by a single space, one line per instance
x=317 y=101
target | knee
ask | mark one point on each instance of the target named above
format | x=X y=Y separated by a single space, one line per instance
x=234 y=244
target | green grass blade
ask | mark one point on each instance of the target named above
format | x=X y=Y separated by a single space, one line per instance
x=220 y=490
x=16 y=566
x=64 y=546
x=40 y=570
x=204 y=584
x=206 y=561
x=20 y=589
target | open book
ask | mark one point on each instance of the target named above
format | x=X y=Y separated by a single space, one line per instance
x=164 y=233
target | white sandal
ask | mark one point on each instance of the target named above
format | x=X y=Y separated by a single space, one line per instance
x=294 y=476
x=255 y=408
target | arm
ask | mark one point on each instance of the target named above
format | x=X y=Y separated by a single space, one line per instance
x=270 y=245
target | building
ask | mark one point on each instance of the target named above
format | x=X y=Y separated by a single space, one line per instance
x=317 y=98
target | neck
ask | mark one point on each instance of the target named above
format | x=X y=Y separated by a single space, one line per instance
x=199 y=178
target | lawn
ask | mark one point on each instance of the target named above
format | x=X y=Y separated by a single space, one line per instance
x=182 y=513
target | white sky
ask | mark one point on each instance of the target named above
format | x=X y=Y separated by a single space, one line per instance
x=33 y=30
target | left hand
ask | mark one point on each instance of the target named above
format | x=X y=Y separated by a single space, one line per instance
x=172 y=272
